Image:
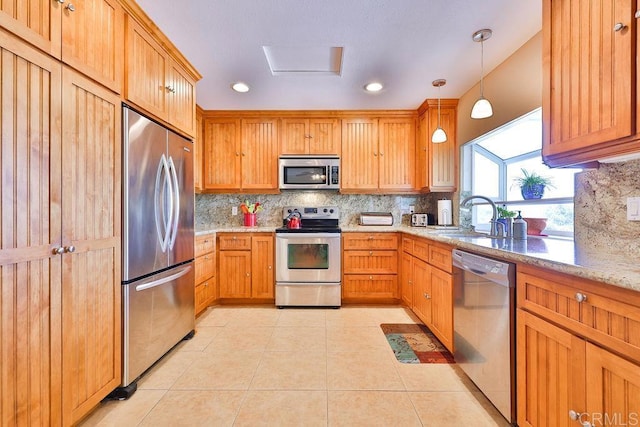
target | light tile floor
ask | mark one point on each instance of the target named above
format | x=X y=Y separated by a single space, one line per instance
x=260 y=366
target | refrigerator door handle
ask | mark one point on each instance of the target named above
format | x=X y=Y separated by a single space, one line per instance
x=164 y=280
x=162 y=222
x=175 y=204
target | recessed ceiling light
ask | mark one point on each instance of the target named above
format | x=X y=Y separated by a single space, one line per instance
x=240 y=87
x=373 y=87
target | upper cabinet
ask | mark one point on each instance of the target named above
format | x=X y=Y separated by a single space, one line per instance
x=198 y=151
x=311 y=136
x=156 y=81
x=378 y=155
x=590 y=80
x=437 y=169
x=86 y=34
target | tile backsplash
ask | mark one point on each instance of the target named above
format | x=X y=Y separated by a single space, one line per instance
x=214 y=210
x=601 y=208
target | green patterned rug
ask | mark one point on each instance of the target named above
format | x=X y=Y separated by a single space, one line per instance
x=413 y=343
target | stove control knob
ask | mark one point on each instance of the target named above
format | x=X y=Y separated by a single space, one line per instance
x=288 y=210
x=330 y=210
x=325 y=210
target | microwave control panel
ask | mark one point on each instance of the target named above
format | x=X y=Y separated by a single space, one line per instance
x=335 y=180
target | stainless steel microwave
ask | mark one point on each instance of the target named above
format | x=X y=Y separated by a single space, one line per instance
x=309 y=172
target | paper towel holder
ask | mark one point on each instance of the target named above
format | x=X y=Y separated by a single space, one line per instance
x=445 y=216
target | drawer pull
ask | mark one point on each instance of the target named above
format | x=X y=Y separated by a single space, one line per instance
x=619 y=27
x=370 y=277
x=235 y=238
x=370 y=253
x=580 y=297
x=370 y=237
x=427 y=296
x=577 y=416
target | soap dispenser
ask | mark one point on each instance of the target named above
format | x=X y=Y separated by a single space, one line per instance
x=519 y=227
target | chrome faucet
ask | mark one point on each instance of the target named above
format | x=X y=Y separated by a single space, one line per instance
x=494 y=218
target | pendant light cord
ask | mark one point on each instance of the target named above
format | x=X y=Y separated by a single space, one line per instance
x=439 y=87
x=482 y=68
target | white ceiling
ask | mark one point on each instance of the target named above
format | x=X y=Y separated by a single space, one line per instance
x=404 y=44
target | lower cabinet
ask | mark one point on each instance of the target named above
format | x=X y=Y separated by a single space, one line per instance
x=370 y=267
x=245 y=266
x=205 y=269
x=570 y=339
x=427 y=285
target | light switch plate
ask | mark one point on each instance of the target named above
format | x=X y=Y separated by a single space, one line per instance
x=234 y=210
x=633 y=208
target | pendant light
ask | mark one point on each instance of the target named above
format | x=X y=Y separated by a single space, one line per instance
x=439 y=134
x=482 y=108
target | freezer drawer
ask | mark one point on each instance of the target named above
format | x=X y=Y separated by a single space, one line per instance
x=158 y=312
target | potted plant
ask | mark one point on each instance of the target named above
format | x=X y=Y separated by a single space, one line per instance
x=532 y=184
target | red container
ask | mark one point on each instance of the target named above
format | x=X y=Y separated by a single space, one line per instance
x=250 y=220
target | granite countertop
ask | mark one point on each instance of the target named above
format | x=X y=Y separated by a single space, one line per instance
x=556 y=254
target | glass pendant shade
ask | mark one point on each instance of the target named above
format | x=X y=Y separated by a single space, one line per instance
x=481 y=109
x=439 y=136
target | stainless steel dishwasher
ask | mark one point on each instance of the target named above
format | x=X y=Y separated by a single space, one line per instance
x=484 y=326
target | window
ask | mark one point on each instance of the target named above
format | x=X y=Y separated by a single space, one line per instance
x=492 y=162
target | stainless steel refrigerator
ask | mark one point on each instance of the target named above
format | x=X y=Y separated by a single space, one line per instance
x=158 y=243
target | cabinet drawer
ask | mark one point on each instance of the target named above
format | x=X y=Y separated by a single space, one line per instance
x=606 y=320
x=416 y=246
x=370 y=262
x=407 y=244
x=234 y=242
x=440 y=257
x=205 y=244
x=370 y=286
x=357 y=241
x=204 y=267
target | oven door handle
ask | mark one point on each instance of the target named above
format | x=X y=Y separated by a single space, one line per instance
x=307 y=235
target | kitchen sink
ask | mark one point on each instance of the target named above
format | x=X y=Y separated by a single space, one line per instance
x=462 y=233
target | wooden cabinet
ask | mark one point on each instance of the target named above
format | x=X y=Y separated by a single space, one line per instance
x=437 y=168
x=245 y=266
x=240 y=155
x=427 y=285
x=205 y=269
x=36 y=21
x=378 y=155
x=578 y=350
x=60 y=233
x=589 y=81
x=198 y=152
x=155 y=82
x=370 y=266
x=311 y=136
x=91 y=227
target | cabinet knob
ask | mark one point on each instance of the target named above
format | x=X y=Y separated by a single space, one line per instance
x=60 y=1
x=237 y=153
x=381 y=154
x=243 y=154
x=410 y=282
x=580 y=297
x=637 y=14
x=269 y=267
x=370 y=277
x=619 y=26
x=70 y=7
x=375 y=154
x=70 y=249
x=370 y=237
x=248 y=274
x=234 y=238
x=427 y=296
x=370 y=253
x=577 y=416
x=57 y=251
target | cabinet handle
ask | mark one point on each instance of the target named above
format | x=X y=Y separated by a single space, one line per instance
x=70 y=7
x=248 y=274
x=243 y=154
x=576 y=416
x=57 y=251
x=234 y=238
x=237 y=153
x=381 y=154
x=370 y=253
x=70 y=249
x=375 y=154
x=370 y=237
x=637 y=14
x=269 y=267
x=60 y=1
x=580 y=297
x=427 y=296
x=370 y=277
x=619 y=27
x=410 y=282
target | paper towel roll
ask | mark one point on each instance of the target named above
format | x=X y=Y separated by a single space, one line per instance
x=444 y=212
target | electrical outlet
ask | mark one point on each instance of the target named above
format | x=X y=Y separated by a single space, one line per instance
x=633 y=208
x=412 y=209
x=234 y=210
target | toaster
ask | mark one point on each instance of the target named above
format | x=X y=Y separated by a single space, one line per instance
x=422 y=219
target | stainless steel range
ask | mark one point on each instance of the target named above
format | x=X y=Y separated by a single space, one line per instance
x=308 y=261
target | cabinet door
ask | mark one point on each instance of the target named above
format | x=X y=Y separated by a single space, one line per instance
x=422 y=290
x=146 y=68
x=406 y=279
x=396 y=151
x=36 y=21
x=30 y=273
x=181 y=99
x=235 y=274
x=613 y=389
x=589 y=85
x=262 y=281
x=259 y=154
x=359 y=162
x=370 y=262
x=442 y=307
x=550 y=371
x=325 y=136
x=93 y=39
x=443 y=157
x=221 y=154
x=295 y=136
x=91 y=332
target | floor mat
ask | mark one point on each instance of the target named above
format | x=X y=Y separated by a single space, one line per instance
x=412 y=343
